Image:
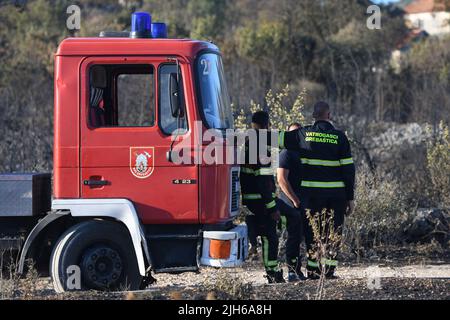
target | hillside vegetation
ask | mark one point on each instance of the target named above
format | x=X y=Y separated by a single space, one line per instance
x=280 y=55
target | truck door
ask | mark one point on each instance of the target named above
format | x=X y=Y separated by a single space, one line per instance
x=125 y=133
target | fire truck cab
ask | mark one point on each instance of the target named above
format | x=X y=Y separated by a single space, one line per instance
x=122 y=207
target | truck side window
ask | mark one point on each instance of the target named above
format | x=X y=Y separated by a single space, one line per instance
x=168 y=123
x=121 y=96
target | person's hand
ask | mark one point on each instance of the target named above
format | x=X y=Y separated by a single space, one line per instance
x=350 y=207
x=296 y=202
x=276 y=215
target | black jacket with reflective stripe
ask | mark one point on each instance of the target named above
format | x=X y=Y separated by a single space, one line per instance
x=327 y=165
x=257 y=179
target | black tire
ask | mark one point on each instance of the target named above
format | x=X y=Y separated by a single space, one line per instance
x=104 y=254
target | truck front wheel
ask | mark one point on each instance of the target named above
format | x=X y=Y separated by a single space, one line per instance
x=95 y=255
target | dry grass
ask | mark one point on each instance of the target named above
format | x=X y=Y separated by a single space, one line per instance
x=9 y=280
x=327 y=242
x=12 y=285
x=380 y=213
x=438 y=156
x=227 y=285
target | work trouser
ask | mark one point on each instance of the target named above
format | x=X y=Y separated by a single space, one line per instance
x=317 y=205
x=265 y=227
x=294 y=226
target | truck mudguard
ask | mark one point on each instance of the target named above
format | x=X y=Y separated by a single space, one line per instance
x=37 y=231
x=120 y=209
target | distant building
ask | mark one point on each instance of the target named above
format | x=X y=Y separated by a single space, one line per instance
x=424 y=18
x=431 y=16
x=130 y=3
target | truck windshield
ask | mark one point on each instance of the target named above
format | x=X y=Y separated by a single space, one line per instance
x=214 y=99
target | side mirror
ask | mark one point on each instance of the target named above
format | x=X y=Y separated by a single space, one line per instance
x=175 y=96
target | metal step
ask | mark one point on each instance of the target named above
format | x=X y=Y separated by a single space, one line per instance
x=176 y=270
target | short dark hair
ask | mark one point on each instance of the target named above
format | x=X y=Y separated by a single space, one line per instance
x=261 y=118
x=321 y=108
x=296 y=124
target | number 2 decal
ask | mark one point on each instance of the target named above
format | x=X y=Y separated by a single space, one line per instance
x=205 y=64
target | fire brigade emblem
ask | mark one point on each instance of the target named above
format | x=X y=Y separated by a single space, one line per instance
x=142 y=161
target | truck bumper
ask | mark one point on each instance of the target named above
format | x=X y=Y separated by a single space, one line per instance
x=226 y=249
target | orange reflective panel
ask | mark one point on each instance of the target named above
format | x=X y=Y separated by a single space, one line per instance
x=219 y=249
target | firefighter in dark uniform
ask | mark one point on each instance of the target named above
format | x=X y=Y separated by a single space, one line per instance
x=258 y=195
x=289 y=175
x=328 y=180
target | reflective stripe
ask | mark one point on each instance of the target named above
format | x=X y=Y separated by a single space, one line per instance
x=272 y=263
x=253 y=196
x=259 y=172
x=247 y=170
x=268 y=264
x=323 y=261
x=318 y=162
x=265 y=245
x=313 y=264
x=271 y=204
x=281 y=140
x=346 y=161
x=329 y=262
x=327 y=163
x=283 y=221
x=274 y=268
x=264 y=172
x=320 y=184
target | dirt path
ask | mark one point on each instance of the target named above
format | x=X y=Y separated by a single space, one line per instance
x=253 y=273
x=420 y=281
x=412 y=271
x=424 y=281
x=369 y=281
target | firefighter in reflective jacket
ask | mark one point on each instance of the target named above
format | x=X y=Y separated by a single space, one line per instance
x=258 y=195
x=328 y=180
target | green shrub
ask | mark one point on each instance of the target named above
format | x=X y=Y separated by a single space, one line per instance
x=282 y=110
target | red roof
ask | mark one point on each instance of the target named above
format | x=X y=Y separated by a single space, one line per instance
x=423 y=6
x=128 y=46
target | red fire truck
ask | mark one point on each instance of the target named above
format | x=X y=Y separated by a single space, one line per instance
x=121 y=208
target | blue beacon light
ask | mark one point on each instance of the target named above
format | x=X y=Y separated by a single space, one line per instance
x=141 y=25
x=159 y=30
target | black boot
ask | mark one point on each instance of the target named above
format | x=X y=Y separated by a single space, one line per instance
x=313 y=275
x=275 y=277
x=301 y=276
x=330 y=273
x=296 y=274
x=313 y=270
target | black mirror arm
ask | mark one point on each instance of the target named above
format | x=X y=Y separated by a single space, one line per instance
x=179 y=111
